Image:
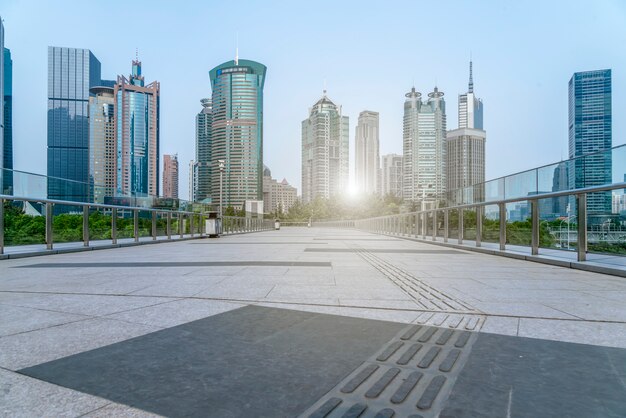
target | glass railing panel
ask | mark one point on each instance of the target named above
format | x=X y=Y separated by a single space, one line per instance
x=494 y=190
x=469 y=224
x=453 y=224
x=99 y=224
x=491 y=224
x=518 y=225
x=520 y=185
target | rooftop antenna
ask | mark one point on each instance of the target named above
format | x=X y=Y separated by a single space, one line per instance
x=236 y=48
x=471 y=79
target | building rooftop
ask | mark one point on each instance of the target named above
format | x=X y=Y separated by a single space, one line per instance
x=308 y=322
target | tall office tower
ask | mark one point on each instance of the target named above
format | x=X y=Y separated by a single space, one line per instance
x=203 y=168
x=391 y=175
x=137 y=134
x=6 y=141
x=367 y=157
x=2 y=105
x=325 y=147
x=560 y=182
x=465 y=146
x=237 y=131
x=589 y=132
x=102 y=155
x=170 y=176
x=71 y=73
x=424 y=147
x=193 y=185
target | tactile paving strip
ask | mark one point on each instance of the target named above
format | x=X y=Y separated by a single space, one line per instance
x=411 y=376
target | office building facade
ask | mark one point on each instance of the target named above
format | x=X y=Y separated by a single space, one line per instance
x=203 y=161
x=6 y=137
x=325 y=148
x=278 y=197
x=237 y=131
x=590 y=132
x=366 y=148
x=391 y=175
x=170 y=176
x=72 y=72
x=137 y=134
x=193 y=186
x=465 y=146
x=424 y=147
x=102 y=149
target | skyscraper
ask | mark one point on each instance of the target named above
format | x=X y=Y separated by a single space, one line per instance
x=102 y=155
x=203 y=168
x=3 y=122
x=590 y=132
x=137 y=134
x=193 y=187
x=278 y=197
x=237 y=131
x=391 y=175
x=325 y=146
x=71 y=73
x=170 y=176
x=424 y=146
x=6 y=142
x=465 y=146
x=367 y=157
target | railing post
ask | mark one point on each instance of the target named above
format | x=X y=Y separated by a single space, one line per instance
x=446 y=224
x=85 y=225
x=154 y=225
x=435 y=225
x=582 y=226
x=49 y=215
x=114 y=226
x=479 y=225
x=460 y=226
x=169 y=225
x=534 y=216
x=136 y=224
x=502 y=216
x=1 y=226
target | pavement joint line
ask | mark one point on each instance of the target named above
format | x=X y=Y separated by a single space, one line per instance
x=376 y=308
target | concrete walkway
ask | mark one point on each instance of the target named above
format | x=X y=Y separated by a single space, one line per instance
x=67 y=304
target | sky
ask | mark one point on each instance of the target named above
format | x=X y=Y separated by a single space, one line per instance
x=367 y=53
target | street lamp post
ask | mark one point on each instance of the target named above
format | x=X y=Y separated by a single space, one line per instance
x=221 y=165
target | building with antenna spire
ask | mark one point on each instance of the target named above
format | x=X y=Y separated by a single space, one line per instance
x=237 y=131
x=424 y=147
x=325 y=147
x=466 y=145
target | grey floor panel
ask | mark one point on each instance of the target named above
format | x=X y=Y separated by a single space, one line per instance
x=253 y=361
x=382 y=251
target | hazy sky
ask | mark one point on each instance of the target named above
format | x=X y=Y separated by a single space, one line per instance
x=369 y=52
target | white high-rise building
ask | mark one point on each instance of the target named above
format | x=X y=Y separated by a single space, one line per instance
x=424 y=147
x=466 y=145
x=325 y=146
x=391 y=175
x=367 y=157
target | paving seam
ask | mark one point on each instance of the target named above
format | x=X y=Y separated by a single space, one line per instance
x=413 y=373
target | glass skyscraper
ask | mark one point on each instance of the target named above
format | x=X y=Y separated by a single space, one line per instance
x=325 y=147
x=590 y=132
x=237 y=131
x=202 y=167
x=102 y=156
x=71 y=73
x=7 y=124
x=366 y=149
x=424 y=146
x=137 y=134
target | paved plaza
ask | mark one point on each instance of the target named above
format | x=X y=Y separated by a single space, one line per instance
x=308 y=322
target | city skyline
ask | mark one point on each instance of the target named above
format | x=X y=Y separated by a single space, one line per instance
x=524 y=80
